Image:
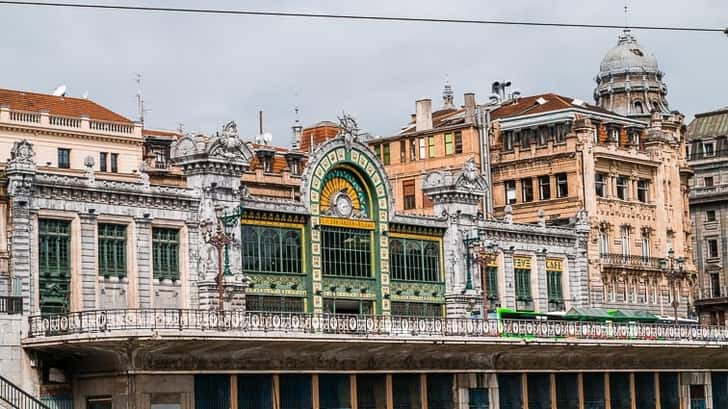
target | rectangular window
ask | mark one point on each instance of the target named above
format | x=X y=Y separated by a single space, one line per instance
x=561 y=131
x=527 y=189
x=622 y=187
x=603 y=243
x=431 y=146
x=114 y=165
x=645 y=247
x=346 y=252
x=271 y=249
x=102 y=161
x=710 y=216
x=386 y=159
x=54 y=266
x=413 y=149
x=643 y=186
x=625 y=241
x=403 y=151
x=555 y=291
x=423 y=149
x=165 y=253
x=492 y=282
x=715 y=284
x=414 y=260
x=709 y=149
x=378 y=151
x=408 y=192
x=523 y=284
x=562 y=185
x=542 y=132
x=426 y=201
x=508 y=140
x=544 y=187
x=112 y=250
x=713 y=248
x=708 y=181
x=64 y=158
x=600 y=183
x=510 y=190
x=449 y=144
x=458 y=142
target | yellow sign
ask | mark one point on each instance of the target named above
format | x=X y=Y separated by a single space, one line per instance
x=522 y=263
x=554 y=264
x=356 y=224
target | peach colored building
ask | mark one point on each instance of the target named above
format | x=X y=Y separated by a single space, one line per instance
x=432 y=140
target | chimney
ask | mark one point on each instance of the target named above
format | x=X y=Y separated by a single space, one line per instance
x=469 y=107
x=423 y=116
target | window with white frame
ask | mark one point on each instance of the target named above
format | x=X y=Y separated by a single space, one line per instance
x=603 y=242
x=625 y=240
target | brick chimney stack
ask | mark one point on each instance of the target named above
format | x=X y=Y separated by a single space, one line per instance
x=423 y=115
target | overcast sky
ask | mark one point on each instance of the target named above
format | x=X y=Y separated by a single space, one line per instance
x=204 y=70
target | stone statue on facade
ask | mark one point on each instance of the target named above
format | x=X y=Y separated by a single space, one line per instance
x=348 y=129
x=22 y=153
x=88 y=163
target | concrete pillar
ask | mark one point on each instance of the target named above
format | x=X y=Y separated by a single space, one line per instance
x=423 y=391
x=352 y=392
x=541 y=302
x=144 y=262
x=315 y=391
x=390 y=392
x=632 y=392
x=89 y=271
x=509 y=280
x=607 y=392
x=580 y=386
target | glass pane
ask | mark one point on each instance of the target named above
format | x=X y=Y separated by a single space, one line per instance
x=334 y=391
x=371 y=391
x=439 y=391
x=509 y=391
x=478 y=398
x=212 y=391
x=295 y=392
x=619 y=390
x=539 y=391
x=255 y=392
x=406 y=391
x=593 y=390
x=644 y=387
x=720 y=390
x=567 y=391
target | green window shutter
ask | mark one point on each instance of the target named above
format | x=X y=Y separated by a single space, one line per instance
x=165 y=253
x=271 y=250
x=414 y=260
x=54 y=266
x=492 y=282
x=111 y=250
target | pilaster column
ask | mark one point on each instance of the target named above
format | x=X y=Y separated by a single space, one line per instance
x=20 y=257
x=542 y=302
x=144 y=262
x=509 y=296
x=89 y=270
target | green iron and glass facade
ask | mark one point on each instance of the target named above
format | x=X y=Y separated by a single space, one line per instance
x=344 y=256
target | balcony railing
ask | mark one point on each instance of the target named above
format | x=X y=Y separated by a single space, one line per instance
x=253 y=324
x=631 y=262
x=11 y=305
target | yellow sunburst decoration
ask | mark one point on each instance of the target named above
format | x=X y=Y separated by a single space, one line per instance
x=333 y=187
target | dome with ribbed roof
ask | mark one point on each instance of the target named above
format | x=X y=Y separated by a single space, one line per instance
x=628 y=55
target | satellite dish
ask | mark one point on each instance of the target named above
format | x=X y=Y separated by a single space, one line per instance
x=60 y=91
x=267 y=138
x=85 y=95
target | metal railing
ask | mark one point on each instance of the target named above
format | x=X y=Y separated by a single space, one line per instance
x=621 y=260
x=256 y=324
x=11 y=305
x=17 y=398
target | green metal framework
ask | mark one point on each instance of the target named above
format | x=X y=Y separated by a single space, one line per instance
x=555 y=290
x=414 y=260
x=271 y=303
x=165 y=252
x=416 y=309
x=54 y=266
x=112 y=250
x=271 y=250
x=346 y=252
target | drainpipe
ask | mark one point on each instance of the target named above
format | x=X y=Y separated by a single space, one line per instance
x=485 y=156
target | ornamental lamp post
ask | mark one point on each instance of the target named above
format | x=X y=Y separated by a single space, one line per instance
x=218 y=235
x=484 y=256
x=468 y=240
x=674 y=271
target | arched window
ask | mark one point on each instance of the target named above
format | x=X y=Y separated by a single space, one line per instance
x=414 y=260
x=269 y=250
x=396 y=254
x=251 y=252
x=431 y=257
x=638 y=107
x=291 y=260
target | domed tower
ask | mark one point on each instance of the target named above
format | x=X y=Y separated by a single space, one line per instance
x=629 y=80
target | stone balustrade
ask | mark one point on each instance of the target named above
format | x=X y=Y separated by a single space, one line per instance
x=83 y=123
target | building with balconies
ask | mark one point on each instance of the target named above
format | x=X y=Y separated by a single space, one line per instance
x=708 y=157
x=215 y=292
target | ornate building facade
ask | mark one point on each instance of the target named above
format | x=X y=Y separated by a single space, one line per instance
x=707 y=156
x=130 y=293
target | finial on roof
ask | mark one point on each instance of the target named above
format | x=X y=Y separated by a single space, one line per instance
x=448 y=97
x=297 y=130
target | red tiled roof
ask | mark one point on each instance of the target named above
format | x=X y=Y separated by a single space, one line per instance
x=158 y=132
x=63 y=106
x=529 y=106
x=318 y=134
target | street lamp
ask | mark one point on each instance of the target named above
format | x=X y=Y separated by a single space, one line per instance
x=674 y=270
x=468 y=241
x=218 y=234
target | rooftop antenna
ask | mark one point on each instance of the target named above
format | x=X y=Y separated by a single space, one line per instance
x=448 y=97
x=297 y=129
x=140 y=98
x=626 y=15
x=180 y=128
x=60 y=91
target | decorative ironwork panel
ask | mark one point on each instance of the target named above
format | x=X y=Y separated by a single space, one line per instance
x=112 y=250
x=416 y=309
x=54 y=266
x=274 y=304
